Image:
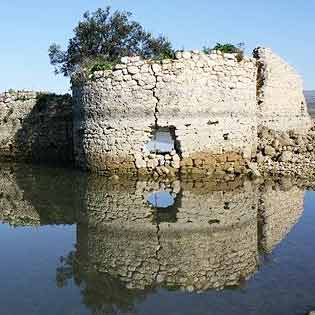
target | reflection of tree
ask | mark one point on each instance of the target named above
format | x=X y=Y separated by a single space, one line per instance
x=64 y=272
x=102 y=293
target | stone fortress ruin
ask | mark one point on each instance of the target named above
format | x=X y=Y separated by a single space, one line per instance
x=210 y=105
x=200 y=114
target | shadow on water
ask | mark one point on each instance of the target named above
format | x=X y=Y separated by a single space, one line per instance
x=213 y=235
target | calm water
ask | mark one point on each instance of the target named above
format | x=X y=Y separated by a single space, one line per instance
x=77 y=244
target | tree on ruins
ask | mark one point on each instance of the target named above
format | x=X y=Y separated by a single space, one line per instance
x=102 y=37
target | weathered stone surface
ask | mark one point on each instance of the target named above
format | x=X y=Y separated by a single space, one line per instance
x=133 y=69
x=254 y=170
x=269 y=150
x=286 y=156
x=36 y=127
x=294 y=153
x=208 y=102
x=140 y=163
x=211 y=106
x=281 y=102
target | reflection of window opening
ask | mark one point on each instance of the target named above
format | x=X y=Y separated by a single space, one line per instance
x=165 y=205
x=163 y=140
x=214 y=221
x=161 y=199
x=226 y=136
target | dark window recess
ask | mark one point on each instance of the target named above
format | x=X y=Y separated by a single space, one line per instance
x=226 y=205
x=214 y=122
x=226 y=136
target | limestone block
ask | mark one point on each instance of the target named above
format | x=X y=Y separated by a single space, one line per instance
x=286 y=156
x=124 y=60
x=140 y=163
x=186 y=55
x=156 y=68
x=133 y=69
x=269 y=150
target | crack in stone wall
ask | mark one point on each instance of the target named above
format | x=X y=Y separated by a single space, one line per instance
x=215 y=103
x=184 y=94
x=189 y=254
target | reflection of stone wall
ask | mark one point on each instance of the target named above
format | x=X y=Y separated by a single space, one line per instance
x=207 y=202
x=214 y=258
x=212 y=244
x=37 y=195
x=279 y=210
x=14 y=208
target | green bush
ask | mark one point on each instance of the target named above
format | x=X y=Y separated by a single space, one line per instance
x=228 y=49
x=97 y=64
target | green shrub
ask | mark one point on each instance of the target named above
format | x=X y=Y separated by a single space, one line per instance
x=228 y=49
x=99 y=63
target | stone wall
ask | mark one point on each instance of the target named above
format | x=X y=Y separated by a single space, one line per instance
x=36 y=127
x=15 y=209
x=39 y=195
x=207 y=101
x=212 y=106
x=280 y=99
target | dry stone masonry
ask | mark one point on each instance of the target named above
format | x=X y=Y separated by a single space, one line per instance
x=286 y=153
x=35 y=127
x=208 y=103
x=222 y=115
x=211 y=104
x=280 y=99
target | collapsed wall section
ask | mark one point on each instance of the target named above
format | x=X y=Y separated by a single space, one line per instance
x=280 y=99
x=208 y=102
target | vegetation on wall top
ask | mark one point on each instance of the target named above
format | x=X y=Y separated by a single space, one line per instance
x=228 y=49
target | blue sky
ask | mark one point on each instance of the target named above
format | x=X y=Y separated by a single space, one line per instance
x=28 y=27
